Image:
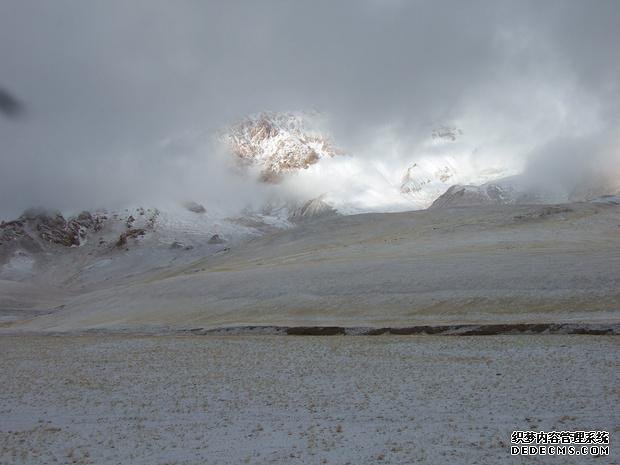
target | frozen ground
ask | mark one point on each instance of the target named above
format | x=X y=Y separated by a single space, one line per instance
x=314 y=400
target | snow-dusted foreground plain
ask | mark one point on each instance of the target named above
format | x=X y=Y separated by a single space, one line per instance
x=285 y=400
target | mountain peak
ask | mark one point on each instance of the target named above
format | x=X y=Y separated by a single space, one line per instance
x=277 y=144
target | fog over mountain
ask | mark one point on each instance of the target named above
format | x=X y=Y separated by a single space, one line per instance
x=126 y=99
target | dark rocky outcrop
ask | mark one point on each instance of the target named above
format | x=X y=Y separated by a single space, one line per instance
x=38 y=228
x=544 y=212
x=315 y=331
x=132 y=233
x=195 y=207
x=594 y=329
x=53 y=227
x=216 y=239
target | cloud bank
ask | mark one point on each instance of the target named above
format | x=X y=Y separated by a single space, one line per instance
x=123 y=97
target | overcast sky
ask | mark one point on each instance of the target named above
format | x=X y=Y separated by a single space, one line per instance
x=103 y=83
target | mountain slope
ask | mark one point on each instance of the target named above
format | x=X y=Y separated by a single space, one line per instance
x=482 y=264
x=526 y=189
x=45 y=253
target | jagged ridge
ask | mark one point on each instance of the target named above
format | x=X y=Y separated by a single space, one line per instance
x=277 y=143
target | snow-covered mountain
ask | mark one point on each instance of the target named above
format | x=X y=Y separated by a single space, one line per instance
x=486 y=194
x=524 y=189
x=49 y=258
x=445 y=160
x=295 y=155
x=109 y=245
x=301 y=177
x=427 y=178
x=277 y=143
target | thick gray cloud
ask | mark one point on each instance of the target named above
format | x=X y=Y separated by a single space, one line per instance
x=106 y=82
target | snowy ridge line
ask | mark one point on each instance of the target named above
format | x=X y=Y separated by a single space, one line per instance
x=592 y=329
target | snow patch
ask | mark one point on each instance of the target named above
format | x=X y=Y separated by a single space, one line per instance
x=19 y=266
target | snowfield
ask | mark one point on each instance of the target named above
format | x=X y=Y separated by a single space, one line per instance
x=142 y=353
x=310 y=400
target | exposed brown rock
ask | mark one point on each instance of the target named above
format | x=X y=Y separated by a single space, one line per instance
x=132 y=233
